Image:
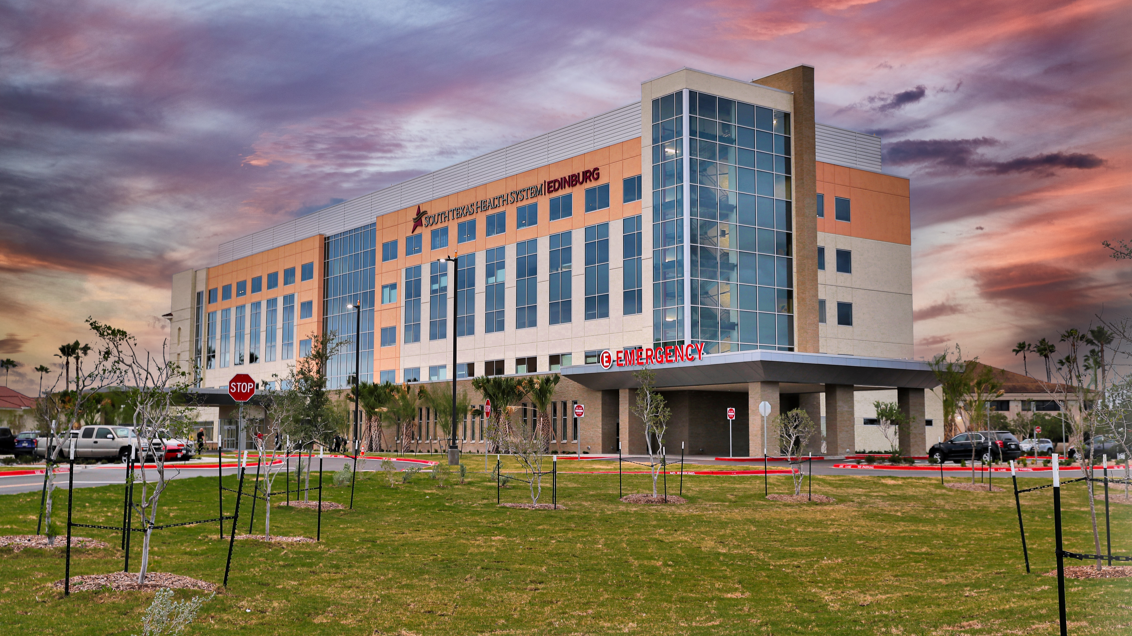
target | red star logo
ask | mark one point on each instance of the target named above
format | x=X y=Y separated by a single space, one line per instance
x=418 y=220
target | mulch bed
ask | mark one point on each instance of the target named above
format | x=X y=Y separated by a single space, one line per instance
x=1114 y=497
x=20 y=541
x=651 y=500
x=974 y=487
x=312 y=505
x=125 y=581
x=527 y=506
x=1090 y=572
x=801 y=499
x=276 y=538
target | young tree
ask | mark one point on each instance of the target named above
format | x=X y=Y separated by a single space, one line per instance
x=8 y=364
x=984 y=387
x=794 y=428
x=891 y=420
x=954 y=376
x=654 y=413
x=316 y=419
x=279 y=409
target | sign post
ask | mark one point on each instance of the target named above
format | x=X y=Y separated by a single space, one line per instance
x=730 y=432
x=579 y=411
x=764 y=410
x=241 y=388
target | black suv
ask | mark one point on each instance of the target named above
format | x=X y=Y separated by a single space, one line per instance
x=987 y=446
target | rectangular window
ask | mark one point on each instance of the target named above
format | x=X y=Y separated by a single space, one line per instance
x=496 y=223
x=241 y=288
x=438 y=372
x=631 y=189
x=845 y=314
x=306 y=309
x=559 y=360
x=307 y=272
x=561 y=207
x=225 y=336
x=272 y=280
x=841 y=209
x=212 y=295
x=493 y=367
x=597 y=271
x=288 y=340
x=466 y=231
x=821 y=258
x=270 y=316
x=466 y=295
x=413 y=374
x=592 y=357
x=198 y=338
x=560 y=274
x=289 y=276
x=304 y=347
x=388 y=336
x=465 y=370
x=257 y=284
x=439 y=239
x=238 y=347
x=631 y=275
x=253 y=332
x=438 y=300
x=493 y=292
x=413 y=244
x=388 y=251
x=821 y=311
x=388 y=376
x=226 y=292
x=871 y=421
x=821 y=206
x=526 y=215
x=597 y=198
x=844 y=261
x=412 y=331
x=927 y=422
x=349 y=286
x=211 y=359
x=389 y=293
x=526 y=365
x=526 y=287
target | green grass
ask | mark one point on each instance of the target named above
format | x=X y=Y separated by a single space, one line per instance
x=893 y=556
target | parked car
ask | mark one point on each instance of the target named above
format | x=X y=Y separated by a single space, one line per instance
x=1101 y=445
x=25 y=443
x=985 y=446
x=92 y=442
x=7 y=441
x=1037 y=446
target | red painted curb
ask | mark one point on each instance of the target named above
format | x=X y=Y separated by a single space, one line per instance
x=862 y=456
x=760 y=459
x=948 y=469
x=779 y=471
x=24 y=473
x=585 y=457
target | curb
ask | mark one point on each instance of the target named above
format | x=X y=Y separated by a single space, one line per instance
x=769 y=459
x=949 y=469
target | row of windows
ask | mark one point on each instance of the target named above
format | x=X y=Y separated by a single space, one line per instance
x=844 y=260
x=841 y=208
x=241 y=287
x=238 y=332
x=490 y=368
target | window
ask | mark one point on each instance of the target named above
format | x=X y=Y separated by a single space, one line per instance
x=845 y=314
x=211 y=359
x=439 y=239
x=238 y=347
x=597 y=271
x=304 y=348
x=388 y=251
x=349 y=277
x=466 y=295
x=307 y=272
x=413 y=244
x=496 y=223
x=841 y=209
x=844 y=261
x=526 y=288
x=631 y=189
x=821 y=311
x=821 y=258
x=526 y=215
x=493 y=296
x=289 y=276
x=928 y=422
x=562 y=207
x=257 y=284
x=821 y=206
x=412 y=332
x=559 y=360
x=226 y=292
x=597 y=198
x=388 y=376
x=438 y=372
x=465 y=370
x=241 y=288
x=413 y=374
x=253 y=332
x=306 y=309
x=389 y=293
x=1000 y=405
x=288 y=346
x=272 y=280
x=212 y=295
x=493 y=367
x=225 y=335
x=526 y=365
x=269 y=320
x=871 y=421
x=466 y=231
x=561 y=260
x=388 y=336
x=438 y=300
x=592 y=357
x=631 y=274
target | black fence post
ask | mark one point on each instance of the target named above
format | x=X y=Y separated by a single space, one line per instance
x=1057 y=547
x=235 y=520
x=497 y=476
x=47 y=468
x=318 y=532
x=1107 y=527
x=126 y=503
x=1018 y=505
x=354 y=475
x=220 y=482
x=941 y=470
x=70 y=498
x=554 y=481
x=681 y=469
x=620 y=491
x=810 y=482
x=990 y=476
x=255 y=495
x=664 y=469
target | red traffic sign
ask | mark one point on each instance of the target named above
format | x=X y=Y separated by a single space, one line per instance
x=579 y=410
x=241 y=387
x=730 y=413
x=487 y=408
x=1037 y=429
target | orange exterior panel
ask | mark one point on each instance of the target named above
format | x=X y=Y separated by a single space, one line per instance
x=881 y=204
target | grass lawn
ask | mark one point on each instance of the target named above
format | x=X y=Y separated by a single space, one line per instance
x=893 y=556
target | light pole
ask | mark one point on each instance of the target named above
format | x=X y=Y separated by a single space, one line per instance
x=453 y=450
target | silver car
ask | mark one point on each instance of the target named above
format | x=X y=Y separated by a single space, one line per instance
x=1037 y=446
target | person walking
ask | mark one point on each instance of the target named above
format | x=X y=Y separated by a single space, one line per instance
x=200 y=442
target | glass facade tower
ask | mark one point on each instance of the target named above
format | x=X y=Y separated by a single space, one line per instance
x=349 y=276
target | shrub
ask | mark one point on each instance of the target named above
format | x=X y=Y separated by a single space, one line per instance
x=932 y=461
x=963 y=463
x=909 y=461
x=1045 y=462
x=407 y=476
x=390 y=470
x=435 y=473
x=463 y=472
x=167 y=617
x=342 y=477
x=869 y=459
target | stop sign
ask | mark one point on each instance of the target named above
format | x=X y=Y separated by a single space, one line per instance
x=579 y=410
x=487 y=408
x=241 y=387
x=1037 y=429
x=731 y=414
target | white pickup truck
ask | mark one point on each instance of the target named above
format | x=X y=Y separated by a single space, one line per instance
x=106 y=442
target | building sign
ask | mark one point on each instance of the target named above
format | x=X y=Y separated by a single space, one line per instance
x=424 y=219
x=649 y=356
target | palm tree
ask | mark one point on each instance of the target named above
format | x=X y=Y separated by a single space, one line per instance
x=375 y=397
x=67 y=352
x=402 y=409
x=41 y=369
x=541 y=391
x=504 y=392
x=1023 y=347
x=8 y=364
x=1046 y=349
x=1101 y=338
x=440 y=401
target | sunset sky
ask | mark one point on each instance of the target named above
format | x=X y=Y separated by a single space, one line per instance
x=136 y=136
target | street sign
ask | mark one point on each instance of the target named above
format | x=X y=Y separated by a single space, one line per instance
x=487 y=408
x=730 y=413
x=764 y=408
x=579 y=410
x=241 y=387
x=1037 y=430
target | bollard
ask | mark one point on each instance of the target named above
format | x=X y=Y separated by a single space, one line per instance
x=235 y=521
x=1018 y=504
x=70 y=498
x=1057 y=547
x=1107 y=527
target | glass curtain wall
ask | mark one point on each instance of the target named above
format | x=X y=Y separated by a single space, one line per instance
x=668 y=219
x=350 y=274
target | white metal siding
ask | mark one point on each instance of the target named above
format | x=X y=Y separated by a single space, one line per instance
x=847 y=148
